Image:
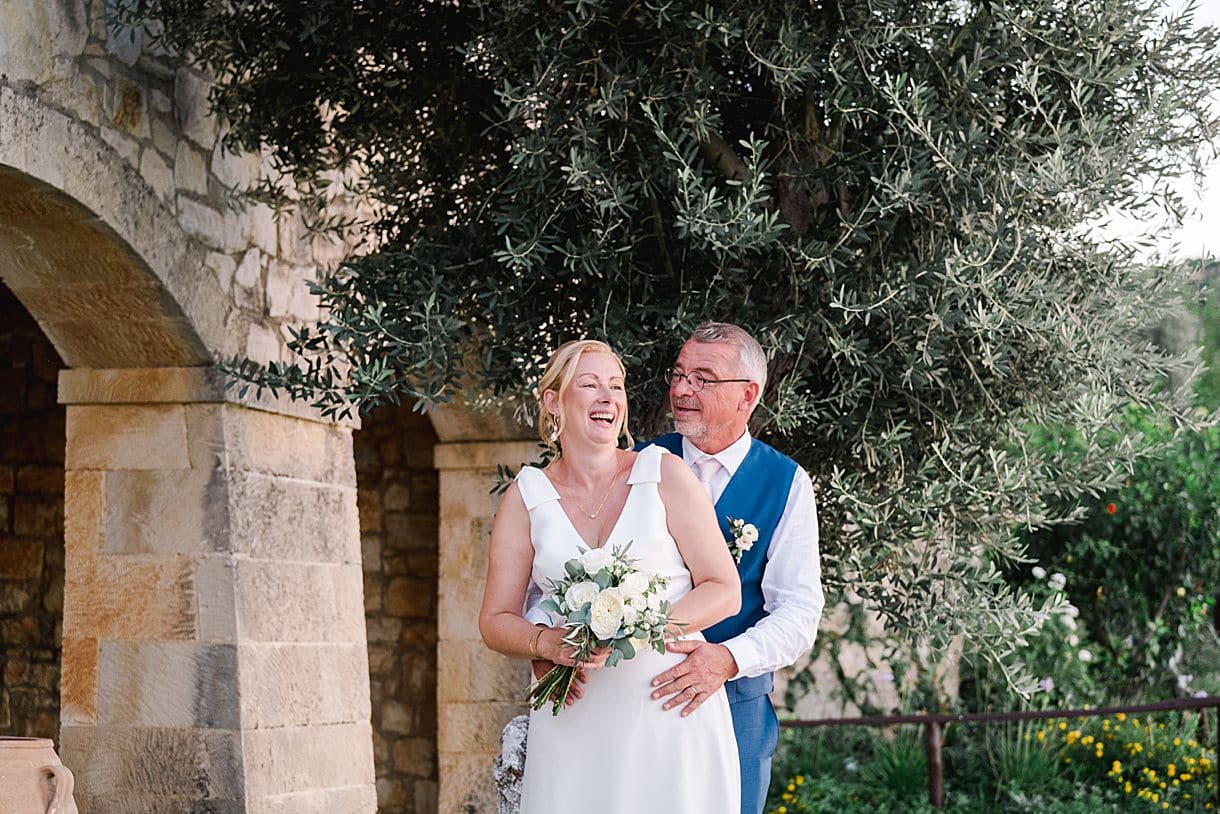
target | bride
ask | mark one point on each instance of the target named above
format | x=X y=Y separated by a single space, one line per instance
x=613 y=749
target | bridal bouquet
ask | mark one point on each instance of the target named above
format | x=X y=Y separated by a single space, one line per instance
x=607 y=603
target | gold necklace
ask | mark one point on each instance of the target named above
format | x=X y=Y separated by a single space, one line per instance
x=601 y=505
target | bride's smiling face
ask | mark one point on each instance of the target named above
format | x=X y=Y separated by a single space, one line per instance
x=594 y=404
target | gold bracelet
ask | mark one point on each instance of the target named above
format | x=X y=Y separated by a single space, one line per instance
x=534 y=643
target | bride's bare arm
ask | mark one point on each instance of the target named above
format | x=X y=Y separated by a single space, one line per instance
x=692 y=523
x=510 y=557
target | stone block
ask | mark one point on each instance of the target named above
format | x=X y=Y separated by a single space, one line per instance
x=191 y=105
x=20 y=559
x=139 y=762
x=474 y=727
x=294 y=759
x=281 y=280
x=84 y=510
x=453 y=670
x=223 y=267
x=397 y=498
x=263 y=344
x=297 y=448
x=216 y=593
x=299 y=602
x=127 y=148
x=466 y=783
x=127 y=437
x=168 y=684
x=250 y=270
x=289 y=685
x=415 y=756
x=46 y=480
x=181 y=511
x=120 y=599
x=234 y=170
x=274 y=517
x=213 y=228
x=410 y=598
x=190 y=169
x=35 y=516
x=158 y=174
x=370 y=551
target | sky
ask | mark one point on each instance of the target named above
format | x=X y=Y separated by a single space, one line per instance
x=1199 y=235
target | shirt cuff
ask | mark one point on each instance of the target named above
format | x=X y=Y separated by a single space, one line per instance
x=745 y=653
x=537 y=616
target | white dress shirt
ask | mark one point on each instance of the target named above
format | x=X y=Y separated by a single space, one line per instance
x=792 y=578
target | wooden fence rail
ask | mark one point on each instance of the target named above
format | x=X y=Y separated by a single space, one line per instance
x=934 y=724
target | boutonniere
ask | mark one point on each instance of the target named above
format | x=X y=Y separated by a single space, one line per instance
x=745 y=535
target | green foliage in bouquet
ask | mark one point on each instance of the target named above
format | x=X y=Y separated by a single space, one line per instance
x=895 y=197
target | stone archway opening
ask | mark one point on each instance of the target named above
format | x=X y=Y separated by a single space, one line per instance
x=31 y=525
x=398 y=500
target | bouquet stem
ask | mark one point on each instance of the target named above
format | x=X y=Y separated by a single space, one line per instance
x=555 y=686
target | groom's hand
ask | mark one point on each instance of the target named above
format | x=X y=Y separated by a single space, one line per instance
x=693 y=680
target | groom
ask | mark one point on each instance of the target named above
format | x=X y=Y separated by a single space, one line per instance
x=714 y=386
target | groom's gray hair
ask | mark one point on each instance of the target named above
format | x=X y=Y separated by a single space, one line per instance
x=751 y=360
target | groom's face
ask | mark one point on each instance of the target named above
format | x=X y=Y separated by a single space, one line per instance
x=716 y=416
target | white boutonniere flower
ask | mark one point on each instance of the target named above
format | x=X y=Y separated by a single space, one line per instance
x=745 y=535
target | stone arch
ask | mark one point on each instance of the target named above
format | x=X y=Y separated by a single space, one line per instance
x=84 y=243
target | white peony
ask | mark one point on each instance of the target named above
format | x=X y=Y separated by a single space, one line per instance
x=634 y=585
x=595 y=559
x=579 y=594
x=606 y=613
x=749 y=534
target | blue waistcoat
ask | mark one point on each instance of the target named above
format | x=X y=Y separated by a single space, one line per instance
x=757 y=493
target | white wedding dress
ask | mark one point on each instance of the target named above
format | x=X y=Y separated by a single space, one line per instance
x=615 y=751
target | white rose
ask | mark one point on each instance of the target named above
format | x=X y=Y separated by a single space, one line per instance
x=579 y=594
x=1039 y=572
x=654 y=601
x=634 y=585
x=606 y=613
x=1057 y=581
x=749 y=534
x=595 y=559
x=630 y=615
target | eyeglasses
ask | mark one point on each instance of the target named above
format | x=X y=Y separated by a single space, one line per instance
x=695 y=379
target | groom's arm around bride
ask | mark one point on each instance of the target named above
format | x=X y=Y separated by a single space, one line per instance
x=714 y=387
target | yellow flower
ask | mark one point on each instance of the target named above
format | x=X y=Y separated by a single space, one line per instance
x=1116 y=766
x=1177 y=741
x=1062 y=725
x=1099 y=592
x=1185 y=776
x=1127 y=787
x=800 y=779
x=1122 y=716
x=1086 y=740
x=1171 y=770
x=791 y=787
x=1041 y=735
x=782 y=810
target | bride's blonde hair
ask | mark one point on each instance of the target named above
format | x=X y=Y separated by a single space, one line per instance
x=560 y=370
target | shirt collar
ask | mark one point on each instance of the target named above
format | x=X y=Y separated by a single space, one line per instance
x=730 y=457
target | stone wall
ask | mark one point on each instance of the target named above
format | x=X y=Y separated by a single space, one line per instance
x=398 y=501
x=31 y=525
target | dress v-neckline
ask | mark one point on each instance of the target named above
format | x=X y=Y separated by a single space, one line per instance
x=613 y=526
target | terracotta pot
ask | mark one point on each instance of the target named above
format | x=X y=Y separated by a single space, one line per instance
x=32 y=780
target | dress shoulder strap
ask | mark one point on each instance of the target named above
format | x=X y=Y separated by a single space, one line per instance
x=647 y=466
x=536 y=488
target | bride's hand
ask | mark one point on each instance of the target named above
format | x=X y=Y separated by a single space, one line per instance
x=553 y=649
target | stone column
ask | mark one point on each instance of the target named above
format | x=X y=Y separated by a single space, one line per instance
x=478 y=691
x=214 y=653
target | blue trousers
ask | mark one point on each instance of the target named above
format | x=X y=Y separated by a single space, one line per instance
x=757 y=732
